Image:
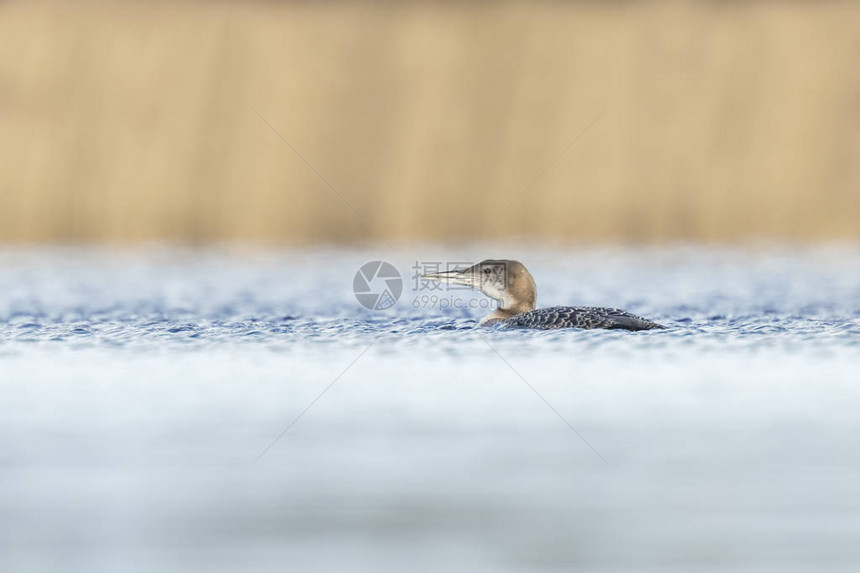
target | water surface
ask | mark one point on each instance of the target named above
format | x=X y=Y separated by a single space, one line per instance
x=142 y=388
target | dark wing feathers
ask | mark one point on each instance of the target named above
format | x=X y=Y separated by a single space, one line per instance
x=580 y=317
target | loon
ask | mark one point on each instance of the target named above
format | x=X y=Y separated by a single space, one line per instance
x=514 y=288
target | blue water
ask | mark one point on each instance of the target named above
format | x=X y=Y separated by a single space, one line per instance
x=144 y=391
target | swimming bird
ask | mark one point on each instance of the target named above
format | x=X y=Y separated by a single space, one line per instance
x=514 y=288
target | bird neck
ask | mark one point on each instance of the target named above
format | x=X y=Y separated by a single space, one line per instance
x=505 y=313
x=510 y=306
x=520 y=296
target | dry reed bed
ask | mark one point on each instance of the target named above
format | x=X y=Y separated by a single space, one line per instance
x=723 y=121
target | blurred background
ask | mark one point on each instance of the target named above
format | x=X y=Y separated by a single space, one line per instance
x=188 y=382
x=139 y=122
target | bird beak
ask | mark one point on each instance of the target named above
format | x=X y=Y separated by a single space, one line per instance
x=451 y=277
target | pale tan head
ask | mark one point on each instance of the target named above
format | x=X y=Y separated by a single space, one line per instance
x=506 y=281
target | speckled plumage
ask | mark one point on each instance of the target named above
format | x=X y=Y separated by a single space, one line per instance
x=579 y=317
x=514 y=288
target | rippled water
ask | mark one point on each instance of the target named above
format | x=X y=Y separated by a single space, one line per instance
x=141 y=390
